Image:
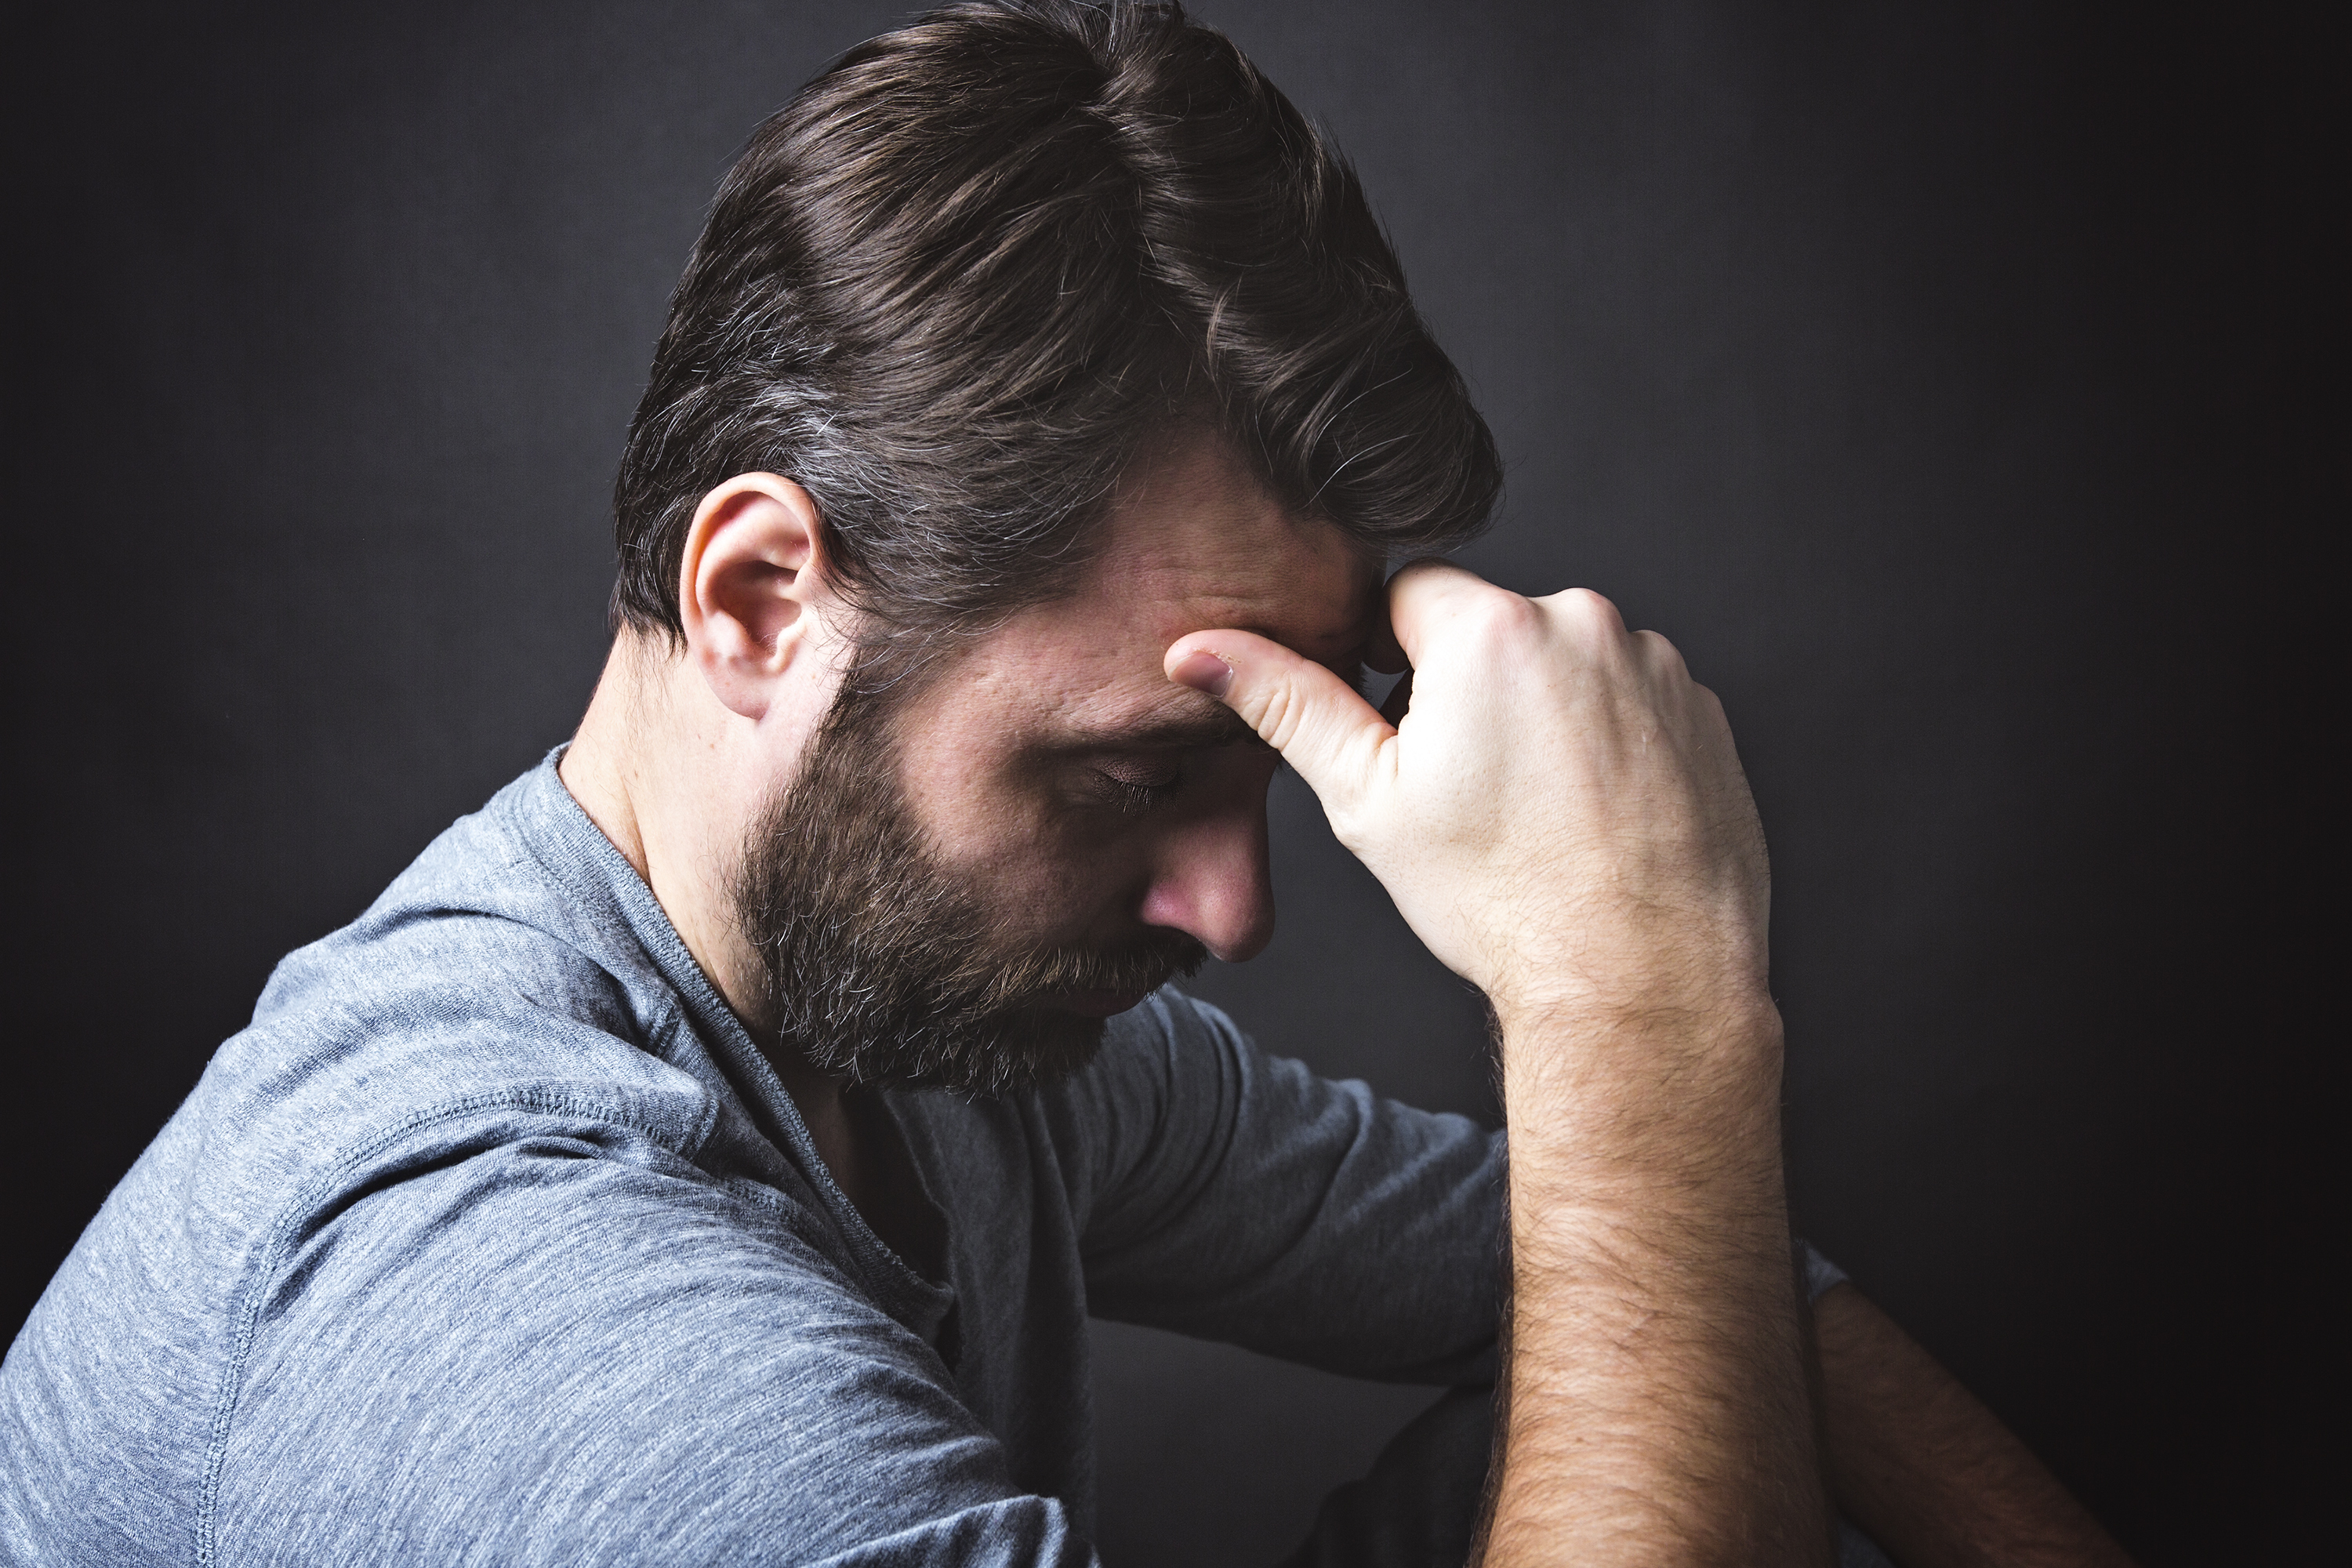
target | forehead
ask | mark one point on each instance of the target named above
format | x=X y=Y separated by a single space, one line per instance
x=1191 y=543
x=1192 y=540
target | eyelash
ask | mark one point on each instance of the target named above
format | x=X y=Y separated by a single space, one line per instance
x=1131 y=798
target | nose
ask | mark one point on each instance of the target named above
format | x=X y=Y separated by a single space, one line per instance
x=1210 y=880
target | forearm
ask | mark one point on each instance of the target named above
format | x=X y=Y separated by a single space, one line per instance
x=1921 y=1465
x=1657 y=1409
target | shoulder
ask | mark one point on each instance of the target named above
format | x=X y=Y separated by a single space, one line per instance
x=478 y=1004
x=1168 y=1053
x=483 y=977
x=1170 y=1043
x=482 y=1052
x=499 y=907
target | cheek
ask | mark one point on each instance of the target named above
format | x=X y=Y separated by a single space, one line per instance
x=1052 y=871
x=1046 y=870
x=1048 y=894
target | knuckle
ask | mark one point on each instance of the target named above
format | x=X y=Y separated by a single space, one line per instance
x=1661 y=653
x=1586 y=606
x=1587 y=620
x=1497 y=615
x=1278 y=709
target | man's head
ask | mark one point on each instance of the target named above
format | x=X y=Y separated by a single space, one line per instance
x=964 y=881
x=954 y=286
x=1023 y=341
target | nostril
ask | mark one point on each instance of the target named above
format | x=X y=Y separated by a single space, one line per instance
x=1231 y=916
x=1208 y=875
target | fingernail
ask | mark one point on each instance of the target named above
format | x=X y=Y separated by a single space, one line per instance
x=1204 y=671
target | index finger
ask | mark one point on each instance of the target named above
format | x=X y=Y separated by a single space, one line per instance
x=1427 y=593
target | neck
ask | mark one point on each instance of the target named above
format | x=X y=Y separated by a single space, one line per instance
x=672 y=777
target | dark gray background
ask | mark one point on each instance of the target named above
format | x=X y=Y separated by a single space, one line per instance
x=1953 y=383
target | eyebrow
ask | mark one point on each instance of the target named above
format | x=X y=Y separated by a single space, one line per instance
x=1193 y=726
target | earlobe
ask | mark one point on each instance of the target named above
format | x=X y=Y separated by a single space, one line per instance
x=753 y=587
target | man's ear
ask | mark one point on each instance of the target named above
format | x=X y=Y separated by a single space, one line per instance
x=753 y=592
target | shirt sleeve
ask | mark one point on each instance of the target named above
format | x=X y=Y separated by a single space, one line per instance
x=1234 y=1195
x=1817 y=1273
x=573 y=1347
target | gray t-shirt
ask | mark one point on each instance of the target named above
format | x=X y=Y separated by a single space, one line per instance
x=495 y=1238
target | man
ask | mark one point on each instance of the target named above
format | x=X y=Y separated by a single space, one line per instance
x=713 y=1149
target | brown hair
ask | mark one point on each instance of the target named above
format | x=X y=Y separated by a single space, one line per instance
x=956 y=282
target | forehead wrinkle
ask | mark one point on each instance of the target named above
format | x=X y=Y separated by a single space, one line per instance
x=1197 y=585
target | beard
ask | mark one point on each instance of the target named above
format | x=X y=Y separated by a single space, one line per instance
x=887 y=968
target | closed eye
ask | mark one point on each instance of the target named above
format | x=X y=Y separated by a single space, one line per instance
x=1133 y=790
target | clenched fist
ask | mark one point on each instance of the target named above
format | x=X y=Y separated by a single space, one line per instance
x=1560 y=812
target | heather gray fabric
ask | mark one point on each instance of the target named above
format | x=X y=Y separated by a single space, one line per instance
x=1816 y=1273
x=495 y=1239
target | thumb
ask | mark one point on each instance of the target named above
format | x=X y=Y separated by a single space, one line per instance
x=1336 y=739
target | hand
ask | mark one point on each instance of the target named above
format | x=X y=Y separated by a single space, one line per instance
x=1560 y=814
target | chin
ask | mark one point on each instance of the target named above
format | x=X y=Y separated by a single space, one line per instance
x=1046 y=1046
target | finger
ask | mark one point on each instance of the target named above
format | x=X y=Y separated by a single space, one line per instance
x=1424 y=594
x=1318 y=721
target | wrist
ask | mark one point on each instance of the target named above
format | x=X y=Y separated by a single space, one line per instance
x=1719 y=1039
x=1610 y=1101
x=1650 y=963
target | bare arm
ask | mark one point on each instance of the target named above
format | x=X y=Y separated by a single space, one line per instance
x=1655 y=1402
x=1560 y=815
x=1924 y=1468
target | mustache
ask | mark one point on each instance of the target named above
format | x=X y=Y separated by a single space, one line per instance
x=1145 y=963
